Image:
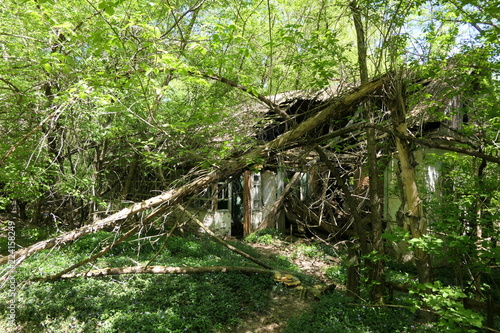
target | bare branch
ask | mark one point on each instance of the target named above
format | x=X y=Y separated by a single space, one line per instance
x=167 y=270
x=232 y=166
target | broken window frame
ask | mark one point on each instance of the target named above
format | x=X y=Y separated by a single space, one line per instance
x=222 y=197
x=257 y=203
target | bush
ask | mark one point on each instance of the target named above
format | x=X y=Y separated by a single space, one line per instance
x=333 y=313
x=264 y=236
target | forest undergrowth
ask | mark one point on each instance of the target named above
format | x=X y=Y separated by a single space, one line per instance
x=211 y=302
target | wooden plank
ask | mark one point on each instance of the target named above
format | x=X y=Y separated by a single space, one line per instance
x=247 y=202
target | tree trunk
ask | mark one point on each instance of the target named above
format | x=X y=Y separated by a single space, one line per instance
x=167 y=270
x=130 y=177
x=361 y=41
x=376 y=264
x=247 y=203
x=416 y=222
x=353 y=271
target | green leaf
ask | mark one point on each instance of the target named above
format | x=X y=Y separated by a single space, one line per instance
x=47 y=67
x=108 y=7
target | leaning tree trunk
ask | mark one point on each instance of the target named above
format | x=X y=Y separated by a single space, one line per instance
x=231 y=167
x=416 y=222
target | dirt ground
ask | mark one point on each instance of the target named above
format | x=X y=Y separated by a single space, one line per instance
x=287 y=303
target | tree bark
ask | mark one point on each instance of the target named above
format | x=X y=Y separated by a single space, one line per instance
x=416 y=222
x=376 y=265
x=167 y=270
x=130 y=177
x=361 y=41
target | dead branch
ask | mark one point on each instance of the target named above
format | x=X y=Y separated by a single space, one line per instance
x=269 y=220
x=167 y=270
x=99 y=254
x=231 y=167
x=218 y=239
x=12 y=149
x=350 y=201
x=433 y=144
x=421 y=141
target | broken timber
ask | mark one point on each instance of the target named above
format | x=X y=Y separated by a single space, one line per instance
x=166 y=270
x=286 y=279
x=219 y=240
x=338 y=109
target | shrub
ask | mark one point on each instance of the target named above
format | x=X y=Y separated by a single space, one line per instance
x=335 y=313
x=264 y=236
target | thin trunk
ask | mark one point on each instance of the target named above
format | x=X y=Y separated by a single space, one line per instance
x=354 y=268
x=247 y=202
x=130 y=177
x=270 y=219
x=361 y=41
x=477 y=225
x=353 y=271
x=376 y=265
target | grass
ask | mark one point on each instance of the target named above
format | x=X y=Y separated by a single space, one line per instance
x=212 y=302
x=140 y=303
x=200 y=303
x=264 y=236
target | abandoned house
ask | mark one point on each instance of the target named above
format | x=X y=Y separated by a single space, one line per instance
x=256 y=198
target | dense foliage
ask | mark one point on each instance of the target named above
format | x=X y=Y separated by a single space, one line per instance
x=104 y=103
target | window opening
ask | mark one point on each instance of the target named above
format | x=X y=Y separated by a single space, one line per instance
x=256 y=192
x=223 y=190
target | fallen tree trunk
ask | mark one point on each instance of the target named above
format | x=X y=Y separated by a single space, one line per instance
x=278 y=276
x=338 y=109
x=167 y=270
x=439 y=144
x=99 y=254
